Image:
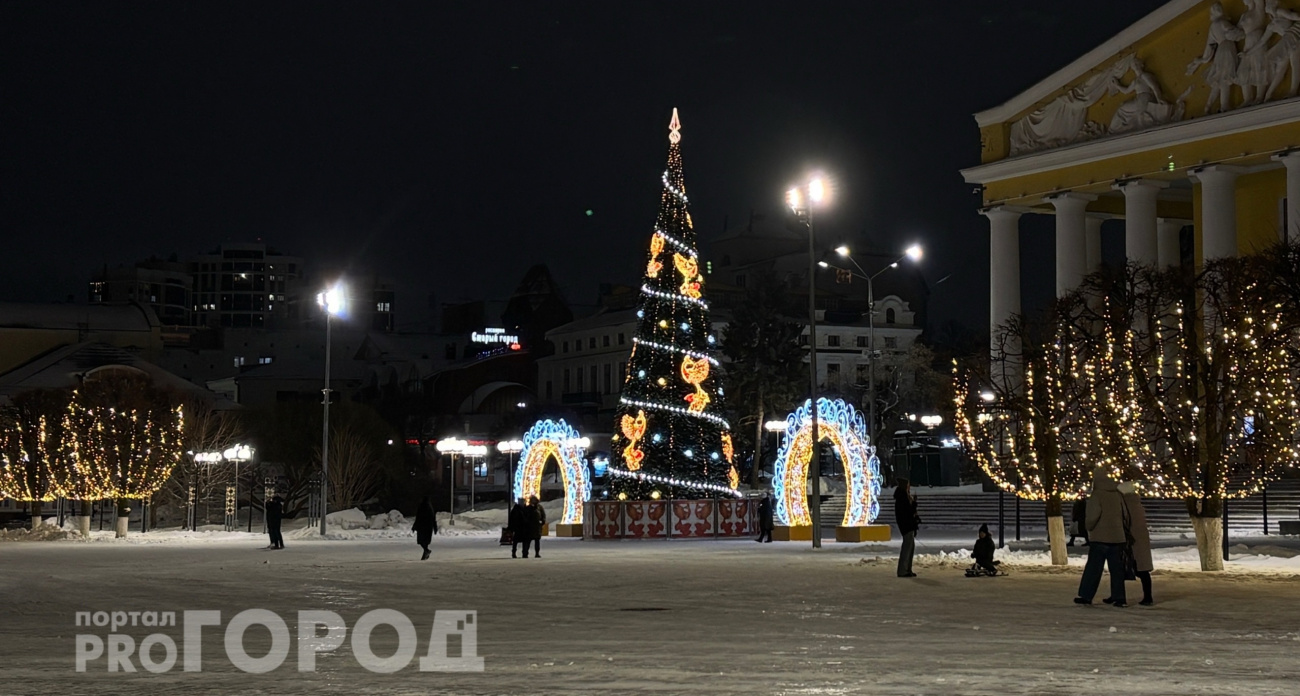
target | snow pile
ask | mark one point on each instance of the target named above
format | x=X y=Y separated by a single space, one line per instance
x=44 y=532
x=392 y=520
x=353 y=525
x=347 y=519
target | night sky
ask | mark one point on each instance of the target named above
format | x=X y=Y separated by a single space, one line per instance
x=450 y=146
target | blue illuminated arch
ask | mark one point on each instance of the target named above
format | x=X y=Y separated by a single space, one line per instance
x=844 y=426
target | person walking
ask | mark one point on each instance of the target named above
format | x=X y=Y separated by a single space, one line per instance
x=766 y=515
x=274 y=519
x=425 y=526
x=1105 y=524
x=1135 y=519
x=1077 y=514
x=518 y=532
x=908 y=522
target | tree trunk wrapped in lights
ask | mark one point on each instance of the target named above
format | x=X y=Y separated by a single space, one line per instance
x=670 y=440
x=1195 y=384
x=1019 y=419
x=32 y=447
x=124 y=437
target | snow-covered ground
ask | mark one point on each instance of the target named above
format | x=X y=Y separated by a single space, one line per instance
x=626 y=617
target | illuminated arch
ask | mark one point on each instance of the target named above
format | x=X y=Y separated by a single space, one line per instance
x=845 y=428
x=554 y=439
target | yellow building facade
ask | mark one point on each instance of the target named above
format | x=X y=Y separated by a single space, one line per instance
x=1189 y=117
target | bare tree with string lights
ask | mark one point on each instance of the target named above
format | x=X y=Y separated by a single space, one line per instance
x=1018 y=416
x=1193 y=384
x=31 y=447
x=123 y=436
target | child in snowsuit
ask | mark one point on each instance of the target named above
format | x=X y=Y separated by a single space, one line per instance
x=983 y=553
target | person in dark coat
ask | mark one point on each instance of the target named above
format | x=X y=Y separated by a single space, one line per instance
x=983 y=553
x=766 y=515
x=274 y=517
x=425 y=525
x=1077 y=515
x=908 y=522
x=532 y=524
x=1105 y=520
x=515 y=523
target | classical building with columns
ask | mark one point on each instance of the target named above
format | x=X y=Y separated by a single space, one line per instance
x=1188 y=119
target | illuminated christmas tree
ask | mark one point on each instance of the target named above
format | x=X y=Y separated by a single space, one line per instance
x=670 y=440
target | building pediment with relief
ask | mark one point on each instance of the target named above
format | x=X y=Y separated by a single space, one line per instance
x=1187 y=60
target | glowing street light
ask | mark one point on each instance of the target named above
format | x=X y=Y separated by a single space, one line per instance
x=334 y=302
x=913 y=253
x=816 y=190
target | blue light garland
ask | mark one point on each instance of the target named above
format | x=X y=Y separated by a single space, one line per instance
x=676 y=409
x=674 y=349
x=673 y=296
x=681 y=483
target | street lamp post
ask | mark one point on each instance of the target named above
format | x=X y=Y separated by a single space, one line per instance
x=802 y=199
x=452 y=446
x=234 y=454
x=238 y=454
x=914 y=253
x=474 y=451
x=332 y=302
x=511 y=448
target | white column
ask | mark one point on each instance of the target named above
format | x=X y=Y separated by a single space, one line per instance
x=1140 y=243
x=1218 y=210
x=1092 y=243
x=1004 y=286
x=1168 y=254
x=1071 y=239
x=1004 y=265
x=1292 y=161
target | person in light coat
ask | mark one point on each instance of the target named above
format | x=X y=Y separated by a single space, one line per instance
x=1105 y=520
x=1137 y=529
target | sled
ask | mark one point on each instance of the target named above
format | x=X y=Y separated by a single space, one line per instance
x=977 y=572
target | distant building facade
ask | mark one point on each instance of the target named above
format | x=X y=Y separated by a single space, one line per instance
x=245 y=285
